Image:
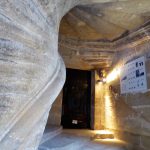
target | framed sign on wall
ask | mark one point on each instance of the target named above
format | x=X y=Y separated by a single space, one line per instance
x=133 y=76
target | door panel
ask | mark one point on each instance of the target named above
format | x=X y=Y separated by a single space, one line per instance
x=76 y=99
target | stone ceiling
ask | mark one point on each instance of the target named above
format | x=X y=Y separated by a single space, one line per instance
x=95 y=26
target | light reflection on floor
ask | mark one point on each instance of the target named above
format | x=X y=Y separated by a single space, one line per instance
x=81 y=140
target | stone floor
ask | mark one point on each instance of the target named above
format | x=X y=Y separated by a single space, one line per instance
x=77 y=140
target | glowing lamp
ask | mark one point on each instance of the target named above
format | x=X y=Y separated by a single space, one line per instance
x=113 y=75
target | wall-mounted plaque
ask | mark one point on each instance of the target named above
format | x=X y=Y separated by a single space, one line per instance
x=133 y=76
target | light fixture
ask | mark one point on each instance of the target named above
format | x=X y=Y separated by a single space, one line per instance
x=103 y=80
x=113 y=75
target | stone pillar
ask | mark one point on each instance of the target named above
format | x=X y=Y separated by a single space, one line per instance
x=98 y=102
x=31 y=70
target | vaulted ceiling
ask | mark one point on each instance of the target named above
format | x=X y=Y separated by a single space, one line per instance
x=88 y=31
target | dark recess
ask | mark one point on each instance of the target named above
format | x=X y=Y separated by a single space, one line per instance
x=77 y=99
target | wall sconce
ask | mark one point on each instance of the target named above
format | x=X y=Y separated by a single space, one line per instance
x=103 y=80
x=113 y=75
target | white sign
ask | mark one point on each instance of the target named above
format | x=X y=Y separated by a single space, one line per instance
x=133 y=76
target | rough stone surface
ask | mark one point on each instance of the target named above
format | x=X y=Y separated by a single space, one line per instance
x=127 y=114
x=89 y=34
x=31 y=70
x=56 y=111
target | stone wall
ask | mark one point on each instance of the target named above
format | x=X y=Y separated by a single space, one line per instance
x=56 y=111
x=128 y=115
x=32 y=72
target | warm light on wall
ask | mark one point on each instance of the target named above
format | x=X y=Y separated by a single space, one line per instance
x=113 y=75
x=110 y=115
x=105 y=115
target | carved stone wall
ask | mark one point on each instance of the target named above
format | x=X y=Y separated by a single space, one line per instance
x=127 y=115
x=31 y=70
x=55 y=113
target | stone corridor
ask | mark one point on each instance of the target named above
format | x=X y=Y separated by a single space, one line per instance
x=39 y=39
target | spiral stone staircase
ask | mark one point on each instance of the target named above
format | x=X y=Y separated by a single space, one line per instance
x=32 y=72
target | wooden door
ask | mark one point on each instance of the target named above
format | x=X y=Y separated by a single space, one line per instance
x=76 y=99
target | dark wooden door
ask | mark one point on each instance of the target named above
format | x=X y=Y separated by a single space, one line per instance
x=76 y=99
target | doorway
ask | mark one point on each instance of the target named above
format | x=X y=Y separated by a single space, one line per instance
x=76 y=105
